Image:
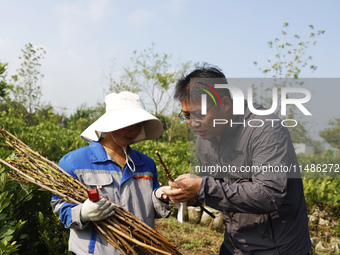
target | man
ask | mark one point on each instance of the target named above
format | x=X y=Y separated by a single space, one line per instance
x=264 y=212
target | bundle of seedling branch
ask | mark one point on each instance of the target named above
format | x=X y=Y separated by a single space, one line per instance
x=123 y=230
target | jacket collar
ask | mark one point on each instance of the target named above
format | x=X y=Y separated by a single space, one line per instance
x=99 y=155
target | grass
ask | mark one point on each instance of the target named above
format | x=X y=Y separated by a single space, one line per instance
x=190 y=238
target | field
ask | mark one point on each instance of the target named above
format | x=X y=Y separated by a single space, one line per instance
x=191 y=239
x=35 y=230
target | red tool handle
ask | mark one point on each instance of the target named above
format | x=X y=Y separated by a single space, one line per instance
x=93 y=195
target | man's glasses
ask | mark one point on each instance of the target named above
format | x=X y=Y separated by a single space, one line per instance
x=197 y=118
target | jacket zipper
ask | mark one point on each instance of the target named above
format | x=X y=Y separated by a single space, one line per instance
x=273 y=236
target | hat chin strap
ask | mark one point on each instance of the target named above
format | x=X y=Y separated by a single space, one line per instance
x=127 y=157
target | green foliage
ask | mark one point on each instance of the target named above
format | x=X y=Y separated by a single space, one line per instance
x=156 y=77
x=332 y=134
x=322 y=165
x=176 y=157
x=291 y=57
x=3 y=85
x=52 y=234
x=50 y=140
x=285 y=66
x=299 y=133
x=127 y=81
x=27 y=224
x=13 y=109
x=174 y=128
x=322 y=192
x=84 y=117
x=152 y=74
x=9 y=227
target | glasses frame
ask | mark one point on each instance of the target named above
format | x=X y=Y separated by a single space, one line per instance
x=193 y=117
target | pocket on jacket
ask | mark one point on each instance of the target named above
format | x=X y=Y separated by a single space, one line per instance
x=107 y=182
x=254 y=228
x=97 y=179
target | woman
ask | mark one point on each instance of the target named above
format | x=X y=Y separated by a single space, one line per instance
x=122 y=175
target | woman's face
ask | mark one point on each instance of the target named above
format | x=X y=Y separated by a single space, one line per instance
x=126 y=135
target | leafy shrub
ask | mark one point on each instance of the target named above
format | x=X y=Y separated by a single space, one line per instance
x=322 y=192
x=27 y=223
x=175 y=155
x=50 y=140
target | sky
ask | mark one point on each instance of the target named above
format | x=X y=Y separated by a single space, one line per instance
x=84 y=38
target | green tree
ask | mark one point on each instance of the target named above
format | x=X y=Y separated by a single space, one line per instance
x=46 y=113
x=153 y=75
x=127 y=81
x=3 y=85
x=85 y=116
x=156 y=77
x=285 y=67
x=299 y=134
x=174 y=129
x=27 y=88
x=332 y=134
x=291 y=57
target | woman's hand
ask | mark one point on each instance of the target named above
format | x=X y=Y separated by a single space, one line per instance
x=184 y=188
x=96 y=211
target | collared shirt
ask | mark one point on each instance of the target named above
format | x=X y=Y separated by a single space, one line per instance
x=133 y=191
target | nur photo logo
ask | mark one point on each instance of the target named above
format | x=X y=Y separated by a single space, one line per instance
x=282 y=100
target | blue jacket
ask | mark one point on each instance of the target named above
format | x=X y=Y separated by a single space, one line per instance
x=133 y=191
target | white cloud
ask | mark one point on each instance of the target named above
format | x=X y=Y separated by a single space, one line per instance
x=140 y=17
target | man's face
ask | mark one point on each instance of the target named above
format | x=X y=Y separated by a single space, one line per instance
x=205 y=128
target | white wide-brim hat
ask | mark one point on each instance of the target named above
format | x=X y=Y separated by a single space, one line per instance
x=122 y=110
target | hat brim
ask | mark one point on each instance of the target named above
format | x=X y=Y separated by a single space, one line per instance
x=115 y=120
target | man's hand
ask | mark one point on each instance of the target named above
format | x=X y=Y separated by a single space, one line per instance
x=184 y=188
x=96 y=211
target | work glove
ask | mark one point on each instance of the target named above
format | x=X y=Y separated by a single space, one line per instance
x=96 y=211
x=161 y=195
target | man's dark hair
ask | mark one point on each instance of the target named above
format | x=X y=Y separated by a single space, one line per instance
x=205 y=74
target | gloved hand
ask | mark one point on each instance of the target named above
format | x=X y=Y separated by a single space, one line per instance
x=96 y=211
x=161 y=195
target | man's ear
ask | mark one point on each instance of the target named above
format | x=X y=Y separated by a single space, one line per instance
x=226 y=103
